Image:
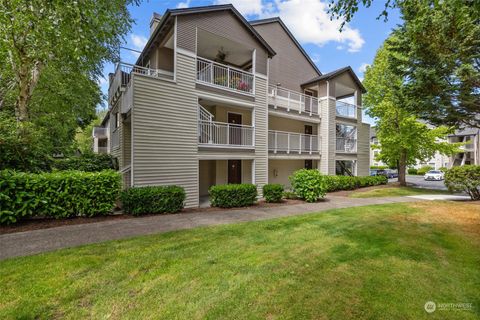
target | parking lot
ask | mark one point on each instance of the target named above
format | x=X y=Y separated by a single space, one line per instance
x=421 y=183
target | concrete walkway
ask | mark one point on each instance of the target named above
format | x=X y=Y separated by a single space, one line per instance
x=37 y=241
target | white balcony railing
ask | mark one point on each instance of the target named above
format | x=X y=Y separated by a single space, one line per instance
x=292 y=100
x=280 y=141
x=224 y=76
x=99 y=132
x=346 y=145
x=123 y=74
x=346 y=109
x=225 y=134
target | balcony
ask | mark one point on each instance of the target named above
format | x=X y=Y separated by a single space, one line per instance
x=346 y=110
x=223 y=76
x=123 y=73
x=222 y=134
x=99 y=132
x=102 y=150
x=292 y=100
x=289 y=142
x=346 y=145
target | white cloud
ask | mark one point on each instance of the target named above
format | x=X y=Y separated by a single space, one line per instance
x=308 y=20
x=363 y=67
x=310 y=23
x=247 y=7
x=138 y=41
x=185 y=4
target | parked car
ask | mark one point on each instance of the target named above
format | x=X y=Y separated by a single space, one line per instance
x=434 y=175
x=373 y=172
x=390 y=174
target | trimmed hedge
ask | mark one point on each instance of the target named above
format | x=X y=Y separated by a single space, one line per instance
x=89 y=162
x=378 y=167
x=337 y=183
x=57 y=194
x=412 y=171
x=308 y=184
x=273 y=192
x=464 y=178
x=159 y=199
x=232 y=195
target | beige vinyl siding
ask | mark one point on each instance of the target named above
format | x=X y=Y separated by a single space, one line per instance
x=165 y=131
x=223 y=24
x=289 y=67
x=289 y=125
x=261 y=134
x=327 y=133
x=363 y=149
x=284 y=169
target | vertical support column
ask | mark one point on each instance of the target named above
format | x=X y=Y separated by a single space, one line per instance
x=327 y=131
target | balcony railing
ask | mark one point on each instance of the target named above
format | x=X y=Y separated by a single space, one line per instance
x=280 y=141
x=212 y=133
x=346 y=109
x=292 y=100
x=123 y=74
x=346 y=145
x=102 y=150
x=99 y=132
x=224 y=76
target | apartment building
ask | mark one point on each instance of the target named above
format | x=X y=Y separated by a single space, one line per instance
x=215 y=99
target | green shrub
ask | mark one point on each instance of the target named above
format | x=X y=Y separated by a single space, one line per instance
x=412 y=171
x=89 y=162
x=465 y=178
x=337 y=183
x=233 y=195
x=273 y=192
x=443 y=169
x=290 y=195
x=424 y=170
x=308 y=184
x=159 y=199
x=57 y=194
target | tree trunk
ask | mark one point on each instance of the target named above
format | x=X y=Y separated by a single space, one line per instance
x=27 y=81
x=402 y=168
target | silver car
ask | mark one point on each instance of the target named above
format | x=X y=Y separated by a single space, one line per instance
x=434 y=175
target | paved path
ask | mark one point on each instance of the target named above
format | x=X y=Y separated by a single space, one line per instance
x=37 y=241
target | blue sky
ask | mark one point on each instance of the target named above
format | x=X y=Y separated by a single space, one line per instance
x=308 y=21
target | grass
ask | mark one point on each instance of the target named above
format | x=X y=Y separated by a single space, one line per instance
x=395 y=192
x=374 y=262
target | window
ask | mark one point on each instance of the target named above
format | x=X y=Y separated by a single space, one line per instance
x=117 y=120
x=345 y=167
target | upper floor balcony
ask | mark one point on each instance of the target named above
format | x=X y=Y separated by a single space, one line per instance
x=291 y=142
x=346 y=145
x=231 y=134
x=99 y=132
x=293 y=100
x=346 y=110
x=224 y=76
x=120 y=82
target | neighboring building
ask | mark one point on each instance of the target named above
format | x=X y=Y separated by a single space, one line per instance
x=470 y=151
x=100 y=135
x=374 y=153
x=214 y=99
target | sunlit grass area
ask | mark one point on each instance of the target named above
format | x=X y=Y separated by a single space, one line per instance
x=373 y=262
x=395 y=192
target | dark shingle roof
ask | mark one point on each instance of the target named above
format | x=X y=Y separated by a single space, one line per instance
x=277 y=19
x=335 y=73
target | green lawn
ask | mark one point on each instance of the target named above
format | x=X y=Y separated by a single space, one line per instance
x=395 y=192
x=375 y=262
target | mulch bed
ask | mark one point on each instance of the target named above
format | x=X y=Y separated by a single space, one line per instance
x=46 y=223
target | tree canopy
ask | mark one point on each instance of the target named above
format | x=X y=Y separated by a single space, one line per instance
x=402 y=138
x=438 y=46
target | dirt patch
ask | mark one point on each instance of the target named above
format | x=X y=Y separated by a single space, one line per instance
x=464 y=216
x=46 y=223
